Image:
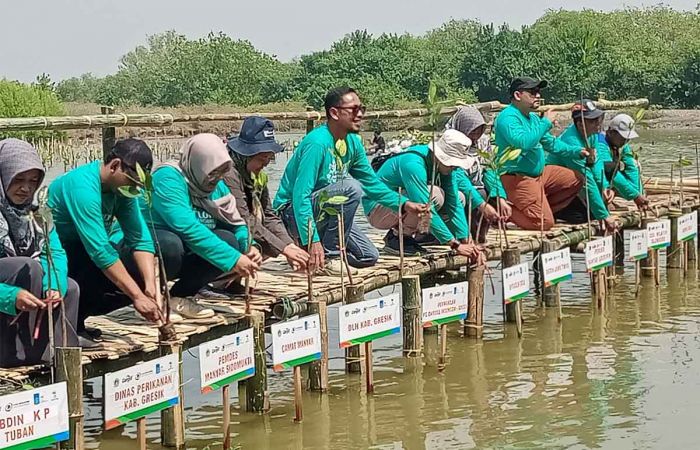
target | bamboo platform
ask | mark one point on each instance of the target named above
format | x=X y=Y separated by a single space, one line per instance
x=129 y=339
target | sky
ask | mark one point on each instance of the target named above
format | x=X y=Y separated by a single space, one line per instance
x=66 y=38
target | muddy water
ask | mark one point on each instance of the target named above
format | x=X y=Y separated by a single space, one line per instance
x=626 y=377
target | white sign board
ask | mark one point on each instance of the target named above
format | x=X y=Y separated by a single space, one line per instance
x=296 y=342
x=639 y=245
x=36 y=418
x=369 y=320
x=659 y=234
x=688 y=226
x=516 y=282
x=140 y=390
x=226 y=360
x=556 y=266
x=599 y=253
x=444 y=304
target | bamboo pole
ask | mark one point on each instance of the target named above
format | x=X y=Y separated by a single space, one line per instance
x=109 y=134
x=172 y=420
x=159 y=120
x=674 y=253
x=443 y=347
x=510 y=258
x=412 y=329
x=369 y=370
x=69 y=369
x=550 y=294
x=256 y=395
x=226 y=405
x=353 y=355
x=141 y=433
x=298 y=413
x=474 y=325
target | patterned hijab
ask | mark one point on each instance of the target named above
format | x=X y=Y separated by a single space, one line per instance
x=466 y=120
x=200 y=156
x=20 y=235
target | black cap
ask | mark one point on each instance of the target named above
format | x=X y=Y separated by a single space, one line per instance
x=257 y=136
x=132 y=151
x=587 y=108
x=523 y=83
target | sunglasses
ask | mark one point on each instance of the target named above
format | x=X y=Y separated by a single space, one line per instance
x=533 y=91
x=354 y=110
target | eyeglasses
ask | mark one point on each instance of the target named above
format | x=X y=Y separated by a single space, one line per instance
x=533 y=91
x=354 y=110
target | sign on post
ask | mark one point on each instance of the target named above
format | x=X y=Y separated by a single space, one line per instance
x=369 y=320
x=296 y=342
x=659 y=234
x=444 y=304
x=639 y=245
x=556 y=266
x=138 y=391
x=226 y=360
x=37 y=418
x=688 y=226
x=599 y=253
x=516 y=282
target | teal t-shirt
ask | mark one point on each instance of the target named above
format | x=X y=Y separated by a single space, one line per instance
x=627 y=182
x=410 y=171
x=172 y=210
x=82 y=211
x=314 y=166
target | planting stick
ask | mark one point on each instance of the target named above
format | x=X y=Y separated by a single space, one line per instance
x=309 y=274
x=344 y=251
x=400 y=238
x=697 y=168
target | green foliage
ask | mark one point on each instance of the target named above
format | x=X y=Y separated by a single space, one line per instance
x=143 y=188
x=328 y=205
x=23 y=100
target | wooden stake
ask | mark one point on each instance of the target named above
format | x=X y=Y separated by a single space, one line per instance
x=226 y=404
x=69 y=369
x=318 y=370
x=649 y=265
x=353 y=355
x=172 y=420
x=443 y=347
x=256 y=395
x=141 y=433
x=369 y=371
x=412 y=329
x=298 y=413
x=599 y=287
x=674 y=253
x=474 y=325
x=550 y=295
x=109 y=134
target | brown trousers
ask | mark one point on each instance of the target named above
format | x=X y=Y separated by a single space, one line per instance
x=535 y=200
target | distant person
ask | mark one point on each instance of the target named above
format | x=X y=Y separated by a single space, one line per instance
x=200 y=231
x=85 y=203
x=26 y=284
x=378 y=144
x=535 y=191
x=411 y=171
x=470 y=121
x=251 y=151
x=332 y=160
x=587 y=120
x=621 y=167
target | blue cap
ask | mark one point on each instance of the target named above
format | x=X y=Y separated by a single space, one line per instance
x=257 y=136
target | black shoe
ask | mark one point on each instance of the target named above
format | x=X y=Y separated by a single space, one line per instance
x=574 y=213
x=425 y=239
x=88 y=344
x=92 y=334
x=410 y=246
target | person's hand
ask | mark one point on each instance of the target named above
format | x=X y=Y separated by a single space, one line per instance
x=150 y=289
x=53 y=296
x=642 y=202
x=506 y=209
x=255 y=255
x=584 y=153
x=296 y=257
x=609 y=224
x=148 y=308
x=489 y=212
x=25 y=301
x=317 y=257
x=608 y=195
x=245 y=267
x=416 y=208
x=470 y=250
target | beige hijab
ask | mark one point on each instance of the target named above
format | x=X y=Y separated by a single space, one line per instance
x=199 y=157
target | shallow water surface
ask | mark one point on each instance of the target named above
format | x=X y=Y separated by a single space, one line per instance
x=625 y=377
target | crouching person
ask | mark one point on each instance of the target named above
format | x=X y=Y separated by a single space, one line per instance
x=411 y=171
x=26 y=283
x=197 y=225
x=251 y=151
x=86 y=202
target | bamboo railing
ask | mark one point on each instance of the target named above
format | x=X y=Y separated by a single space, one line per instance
x=164 y=120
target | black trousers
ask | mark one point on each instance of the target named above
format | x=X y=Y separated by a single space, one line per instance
x=191 y=271
x=17 y=344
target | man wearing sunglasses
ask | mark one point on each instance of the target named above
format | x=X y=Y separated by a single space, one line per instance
x=332 y=160
x=85 y=203
x=536 y=191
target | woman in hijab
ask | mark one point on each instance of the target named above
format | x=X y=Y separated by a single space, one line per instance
x=197 y=225
x=26 y=283
x=469 y=121
x=251 y=151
